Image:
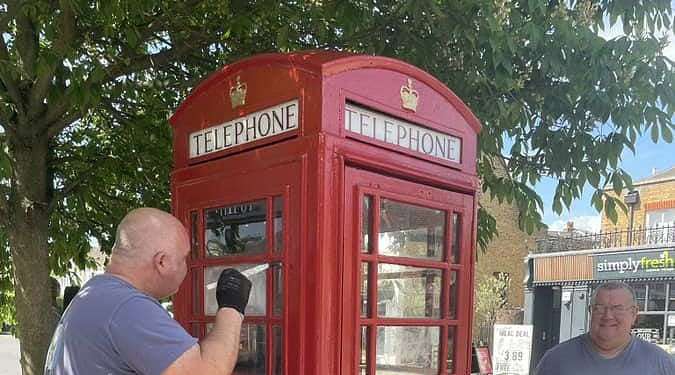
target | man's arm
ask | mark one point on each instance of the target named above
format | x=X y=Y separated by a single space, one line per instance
x=217 y=352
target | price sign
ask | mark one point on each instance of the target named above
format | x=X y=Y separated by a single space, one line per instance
x=512 y=348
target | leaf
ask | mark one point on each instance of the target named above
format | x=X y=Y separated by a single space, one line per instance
x=610 y=210
x=654 y=133
x=666 y=133
x=594 y=178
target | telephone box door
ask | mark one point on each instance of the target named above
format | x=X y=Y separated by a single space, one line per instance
x=249 y=222
x=407 y=264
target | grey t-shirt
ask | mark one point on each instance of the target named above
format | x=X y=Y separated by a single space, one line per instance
x=110 y=327
x=577 y=357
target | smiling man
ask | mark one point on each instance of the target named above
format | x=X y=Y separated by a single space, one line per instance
x=609 y=348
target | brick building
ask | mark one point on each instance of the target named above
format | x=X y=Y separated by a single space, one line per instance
x=504 y=255
x=638 y=249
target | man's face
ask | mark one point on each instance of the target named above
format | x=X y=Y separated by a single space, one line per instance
x=612 y=316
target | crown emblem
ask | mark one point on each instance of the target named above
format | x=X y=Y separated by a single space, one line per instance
x=238 y=94
x=409 y=97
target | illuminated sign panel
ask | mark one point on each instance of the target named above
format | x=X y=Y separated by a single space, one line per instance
x=401 y=133
x=634 y=264
x=281 y=118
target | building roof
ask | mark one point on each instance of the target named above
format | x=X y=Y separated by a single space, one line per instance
x=665 y=175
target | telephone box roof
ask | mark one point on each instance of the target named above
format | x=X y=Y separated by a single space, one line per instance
x=326 y=64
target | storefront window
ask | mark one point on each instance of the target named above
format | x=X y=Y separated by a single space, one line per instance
x=640 y=295
x=649 y=328
x=657 y=297
x=671 y=304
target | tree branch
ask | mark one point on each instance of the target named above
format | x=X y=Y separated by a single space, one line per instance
x=55 y=118
x=67 y=190
x=9 y=82
x=26 y=41
x=67 y=32
x=4 y=206
x=57 y=126
x=157 y=60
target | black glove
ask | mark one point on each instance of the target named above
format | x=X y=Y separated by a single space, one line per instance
x=233 y=290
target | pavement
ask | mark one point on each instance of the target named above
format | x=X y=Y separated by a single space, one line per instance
x=9 y=355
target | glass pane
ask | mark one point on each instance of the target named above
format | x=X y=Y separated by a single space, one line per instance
x=367 y=219
x=670 y=336
x=671 y=305
x=411 y=231
x=196 y=292
x=278 y=351
x=640 y=295
x=451 y=350
x=453 y=295
x=278 y=215
x=251 y=360
x=278 y=275
x=456 y=236
x=237 y=229
x=364 y=289
x=363 y=363
x=657 y=297
x=408 y=292
x=649 y=328
x=407 y=350
x=194 y=234
x=257 y=300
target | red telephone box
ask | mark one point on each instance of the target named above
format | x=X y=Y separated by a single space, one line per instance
x=353 y=179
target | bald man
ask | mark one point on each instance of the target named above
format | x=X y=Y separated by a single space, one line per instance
x=115 y=324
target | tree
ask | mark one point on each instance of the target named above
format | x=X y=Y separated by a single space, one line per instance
x=490 y=298
x=86 y=87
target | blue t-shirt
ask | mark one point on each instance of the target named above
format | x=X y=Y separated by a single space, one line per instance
x=577 y=357
x=110 y=327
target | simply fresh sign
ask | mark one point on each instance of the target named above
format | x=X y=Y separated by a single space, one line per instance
x=634 y=264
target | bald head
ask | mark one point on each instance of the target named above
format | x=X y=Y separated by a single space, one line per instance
x=150 y=252
x=143 y=232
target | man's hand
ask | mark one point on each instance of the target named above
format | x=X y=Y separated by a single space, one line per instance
x=233 y=290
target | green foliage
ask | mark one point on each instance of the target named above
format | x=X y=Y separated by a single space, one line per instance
x=490 y=298
x=487 y=228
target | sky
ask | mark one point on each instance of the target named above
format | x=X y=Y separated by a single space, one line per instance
x=648 y=157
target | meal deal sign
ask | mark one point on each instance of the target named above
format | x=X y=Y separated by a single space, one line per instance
x=512 y=348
